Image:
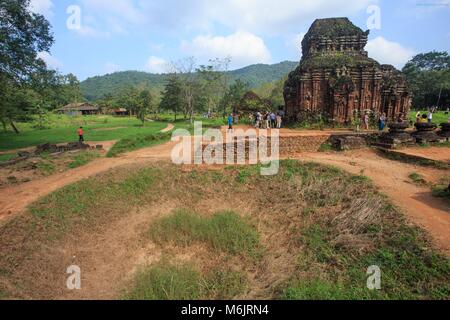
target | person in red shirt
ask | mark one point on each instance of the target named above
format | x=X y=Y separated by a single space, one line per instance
x=81 y=134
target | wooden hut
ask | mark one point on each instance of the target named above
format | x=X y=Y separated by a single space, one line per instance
x=79 y=109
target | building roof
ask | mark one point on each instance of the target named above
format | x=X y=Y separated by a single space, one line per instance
x=79 y=107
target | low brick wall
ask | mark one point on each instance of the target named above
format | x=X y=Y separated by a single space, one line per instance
x=296 y=144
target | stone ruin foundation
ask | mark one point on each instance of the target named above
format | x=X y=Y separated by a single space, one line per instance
x=396 y=137
x=426 y=133
x=445 y=131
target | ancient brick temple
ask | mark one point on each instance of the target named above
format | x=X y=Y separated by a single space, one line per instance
x=336 y=77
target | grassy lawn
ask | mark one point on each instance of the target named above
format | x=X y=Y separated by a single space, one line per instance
x=98 y=128
x=64 y=129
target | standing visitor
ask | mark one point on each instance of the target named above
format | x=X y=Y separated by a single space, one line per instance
x=418 y=116
x=258 y=120
x=279 y=120
x=430 y=116
x=273 y=120
x=382 y=122
x=251 y=119
x=230 y=122
x=366 y=121
x=81 y=135
x=267 y=120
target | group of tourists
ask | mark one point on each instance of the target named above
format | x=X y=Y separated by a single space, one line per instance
x=267 y=120
x=425 y=117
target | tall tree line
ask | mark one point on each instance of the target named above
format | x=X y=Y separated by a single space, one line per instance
x=26 y=85
x=428 y=76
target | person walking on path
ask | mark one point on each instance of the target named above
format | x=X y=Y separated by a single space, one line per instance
x=81 y=135
x=230 y=123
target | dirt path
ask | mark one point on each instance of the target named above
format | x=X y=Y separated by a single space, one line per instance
x=15 y=199
x=169 y=128
x=391 y=177
x=432 y=153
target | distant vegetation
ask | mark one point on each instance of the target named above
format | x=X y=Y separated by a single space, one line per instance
x=428 y=75
x=255 y=76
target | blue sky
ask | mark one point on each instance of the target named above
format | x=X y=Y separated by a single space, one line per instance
x=117 y=35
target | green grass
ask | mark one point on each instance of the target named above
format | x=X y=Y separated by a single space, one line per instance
x=83 y=202
x=46 y=167
x=6 y=157
x=82 y=159
x=441 y=191
x=167 y=281
x=326 y=147
x=333 y=225
x=408 y=269
x=64 y=129
x=225 y=231
x=138 y=142
x=417 y=178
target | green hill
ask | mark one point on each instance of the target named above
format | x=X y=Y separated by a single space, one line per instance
x=96 y=87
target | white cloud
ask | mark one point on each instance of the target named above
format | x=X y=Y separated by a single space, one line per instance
x=156 y=65
x=243 y=47
x=388 y=52
x=268 y=16
x=44 y=7
x=256 y=16
x=114 y=16
x=49 y=60
x=278 y=16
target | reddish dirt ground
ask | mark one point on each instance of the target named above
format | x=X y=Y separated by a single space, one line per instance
x=432 y=153
x=391 y=177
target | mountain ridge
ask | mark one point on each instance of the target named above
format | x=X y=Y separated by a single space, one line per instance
x=96 y=87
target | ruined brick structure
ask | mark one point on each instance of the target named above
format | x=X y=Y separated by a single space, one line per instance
x=336 y=77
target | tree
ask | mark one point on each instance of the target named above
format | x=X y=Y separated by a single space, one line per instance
x=233 y=96
x=213 y=79
x=23 y=35
x=172 y=99
x=144 y=105
x=428 y=76
x=184 y=70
